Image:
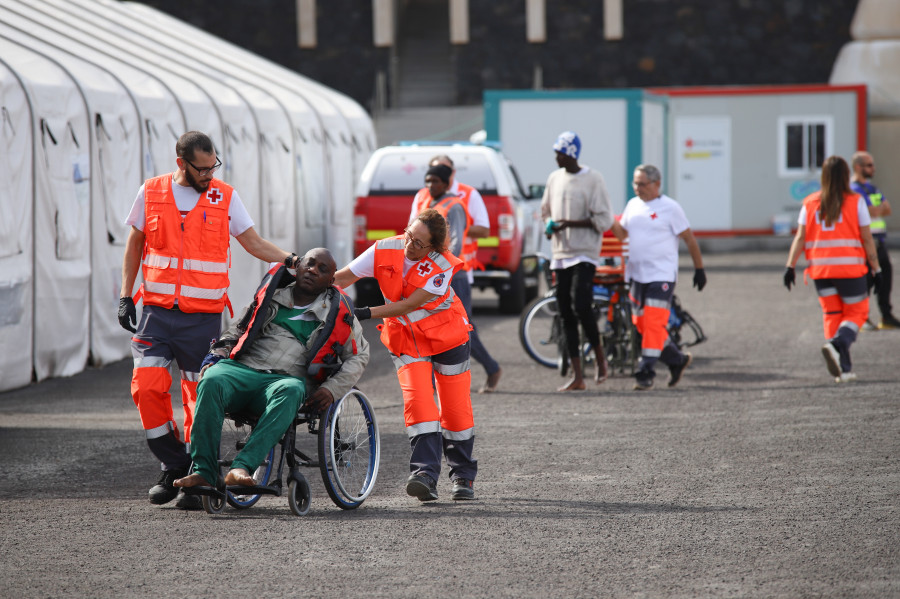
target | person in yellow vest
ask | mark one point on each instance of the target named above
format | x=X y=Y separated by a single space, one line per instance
x=861 y=182
x=476 y=226
x=833 y=231
x=426 y=331
x=181 y=225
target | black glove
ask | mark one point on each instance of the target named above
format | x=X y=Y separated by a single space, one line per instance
x=877 y=280
x=362 y=313
x=789 y=277
x=127 y=314
x=699 y=279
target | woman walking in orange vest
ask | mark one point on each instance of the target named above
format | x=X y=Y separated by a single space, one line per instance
x=833 y=231
x=427 y=333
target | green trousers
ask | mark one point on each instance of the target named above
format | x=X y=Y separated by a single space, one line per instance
x=232 y=387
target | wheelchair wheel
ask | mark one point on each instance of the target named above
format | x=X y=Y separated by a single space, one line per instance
x=540 y=331
x=299 y=497
x=212 y=505
x=349 y=450
x=234 y=436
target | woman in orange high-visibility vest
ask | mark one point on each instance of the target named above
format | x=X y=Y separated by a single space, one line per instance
x=427 y=333
x=833 y=232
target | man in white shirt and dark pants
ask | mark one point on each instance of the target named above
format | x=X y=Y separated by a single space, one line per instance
x=653 y=223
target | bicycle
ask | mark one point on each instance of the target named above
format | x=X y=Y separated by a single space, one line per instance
x=543 y=338
x=541 y=330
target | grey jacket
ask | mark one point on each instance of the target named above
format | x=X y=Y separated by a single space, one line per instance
x=277 y=350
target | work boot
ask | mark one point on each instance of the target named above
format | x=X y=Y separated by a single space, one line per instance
x=643 y=381
x=675 y=372
x=185 y=501
x=422 y=487
x=832 y=359
x=462 y=489
x=163 y=491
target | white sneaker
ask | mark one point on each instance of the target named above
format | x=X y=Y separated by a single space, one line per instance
x=832 y=359
x=846 y=377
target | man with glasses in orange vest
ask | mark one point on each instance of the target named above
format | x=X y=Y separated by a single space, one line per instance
x=181 y=225
x=477 y=225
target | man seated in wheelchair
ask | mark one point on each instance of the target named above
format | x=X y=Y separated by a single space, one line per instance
x=277 y=356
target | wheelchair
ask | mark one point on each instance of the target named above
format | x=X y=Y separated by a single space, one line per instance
x=349 y=452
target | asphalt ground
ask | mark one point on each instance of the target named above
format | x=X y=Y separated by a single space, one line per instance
x=757 y=476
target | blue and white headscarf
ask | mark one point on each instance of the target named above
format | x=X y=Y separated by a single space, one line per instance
x=569 y=144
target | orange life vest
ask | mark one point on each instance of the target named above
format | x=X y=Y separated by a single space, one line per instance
x=835 y=251
x=435 y=327
x=186 y=259
x=329 y=344
x=443 y=205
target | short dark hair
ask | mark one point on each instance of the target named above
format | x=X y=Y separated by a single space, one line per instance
x=188 y=144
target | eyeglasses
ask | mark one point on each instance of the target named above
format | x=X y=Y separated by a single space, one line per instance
x=203 y=172
x=641 y=183
x=415 y=242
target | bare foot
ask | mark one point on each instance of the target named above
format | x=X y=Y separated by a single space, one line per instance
x=492 y=380
x=239 y=476
x=602 y=371
x=576 y=384
x=192 y=480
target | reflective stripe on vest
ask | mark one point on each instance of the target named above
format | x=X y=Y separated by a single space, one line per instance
x=834 y=251
x=413 y=334
x=186 y=260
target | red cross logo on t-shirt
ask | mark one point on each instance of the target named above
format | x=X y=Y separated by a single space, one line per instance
x=652 y=216
x=214 y=196
x=424 y=269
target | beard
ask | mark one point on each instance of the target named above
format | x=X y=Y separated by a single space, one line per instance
x=200 y=188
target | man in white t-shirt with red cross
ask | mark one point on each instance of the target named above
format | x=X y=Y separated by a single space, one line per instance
x=653 y=223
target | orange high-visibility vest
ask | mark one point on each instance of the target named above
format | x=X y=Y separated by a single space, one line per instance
x=835 y=251
x=186 y=260
x=434 y=327
x=422 y=201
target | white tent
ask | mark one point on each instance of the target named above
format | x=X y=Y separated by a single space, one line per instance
x=349 y=137
x=92 y=103
x=16 y=231
x=61 y=133
x=114 y=149
x=208 y=105
x=276 y=219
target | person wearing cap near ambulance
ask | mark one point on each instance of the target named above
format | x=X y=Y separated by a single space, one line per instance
x=477 y=226
x=576 y=212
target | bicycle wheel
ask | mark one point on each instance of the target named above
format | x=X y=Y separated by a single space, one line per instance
x=619 y=338
x=235 y=433
x=540 y=331
x=349 y=450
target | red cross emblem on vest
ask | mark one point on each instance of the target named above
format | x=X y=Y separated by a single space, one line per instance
x=214 y=196
x=424 y=269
